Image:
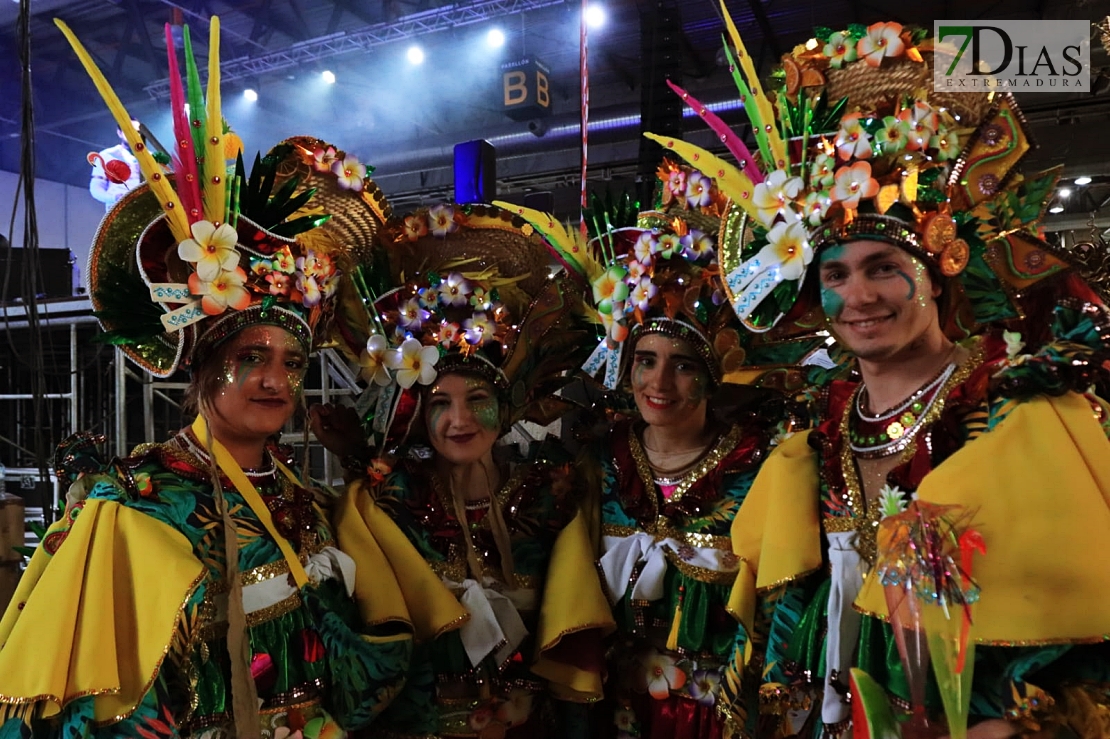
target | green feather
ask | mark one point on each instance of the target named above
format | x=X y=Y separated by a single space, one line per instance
x=126 y=308
x=196 y=100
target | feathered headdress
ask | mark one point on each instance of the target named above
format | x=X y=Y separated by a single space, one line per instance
x=854 y=144
x=477 y=294
x=202 y=249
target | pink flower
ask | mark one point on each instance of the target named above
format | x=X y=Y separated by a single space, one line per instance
x=698 y=190
x=280 y=283
x=636 y=270
x=852 y=141
x=660 y=675
x=883 y=40
x=442 y=219
x=448 y=333
x=323 y=159
x=853 y=183
x=349 y=173
x=676 y=183
x=642 y=294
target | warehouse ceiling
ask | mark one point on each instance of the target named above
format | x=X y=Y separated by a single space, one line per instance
x=406 y=119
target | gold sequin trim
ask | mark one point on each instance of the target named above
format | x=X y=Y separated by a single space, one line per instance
x=701 y=574
x=722 y=449
x=865 y=519
x=262 y=573
x=607 y=625
x=662 y=529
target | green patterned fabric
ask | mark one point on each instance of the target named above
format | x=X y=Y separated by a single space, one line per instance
x=313 y=653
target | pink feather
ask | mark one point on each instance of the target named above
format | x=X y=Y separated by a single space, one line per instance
x=728 y=138
x=184 y=154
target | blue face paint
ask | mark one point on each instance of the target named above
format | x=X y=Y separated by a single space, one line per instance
x=910 y=282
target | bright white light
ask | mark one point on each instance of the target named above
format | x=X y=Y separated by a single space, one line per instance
x=595 y=16
x=811 y=44
x=250 y=94
x=415 y=55
x=1084 y=180
x=1064 y=192
x=495 y=38
x=328 y=76
x=1056 y=209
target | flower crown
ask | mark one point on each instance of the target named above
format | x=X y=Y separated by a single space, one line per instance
x=855 y=144
x=476 y=295
x=202 y=249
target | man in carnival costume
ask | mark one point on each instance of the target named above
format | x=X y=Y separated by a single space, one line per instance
x=195 y=588
x=896 y=216
x=672 y=480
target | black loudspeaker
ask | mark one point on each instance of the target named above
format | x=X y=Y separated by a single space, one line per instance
x=475 y=172
x=55 y=273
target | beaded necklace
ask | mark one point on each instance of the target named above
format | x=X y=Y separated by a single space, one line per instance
x=892 y=431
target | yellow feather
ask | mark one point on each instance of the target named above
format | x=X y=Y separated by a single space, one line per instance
x=175 y=214
x=766 y=110
x=731 y=180
x=568 y=242
x=214 y=192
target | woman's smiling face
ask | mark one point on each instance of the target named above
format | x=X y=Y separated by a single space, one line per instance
x=463 y=417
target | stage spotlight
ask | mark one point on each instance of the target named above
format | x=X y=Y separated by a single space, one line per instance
x=328 y=76
x=1064 y=192
x=495 y=38
x=415 y=55
x=250 y=95
x=1084 y=180
x=595 y=16
x=1056 y=209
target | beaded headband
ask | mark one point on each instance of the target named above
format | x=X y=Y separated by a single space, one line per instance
x=675 y=328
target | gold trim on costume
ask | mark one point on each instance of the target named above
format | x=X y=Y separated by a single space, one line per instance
x=862 y=518
x=721 y=448
x=701 y=574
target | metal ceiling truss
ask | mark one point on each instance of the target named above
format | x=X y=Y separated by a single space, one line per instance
x=430 y=21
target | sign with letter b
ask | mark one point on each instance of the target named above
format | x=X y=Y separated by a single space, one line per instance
x=526 y=89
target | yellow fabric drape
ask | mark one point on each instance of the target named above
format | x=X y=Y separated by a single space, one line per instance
x=366 y=533
x=235 y=474
x=1039 y=485
x=777 y=531
x=98 y=617
x=572 y=602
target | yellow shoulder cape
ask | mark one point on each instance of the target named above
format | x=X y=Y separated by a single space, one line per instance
x=1039 y=485
x=98 y=617
x=366 y=533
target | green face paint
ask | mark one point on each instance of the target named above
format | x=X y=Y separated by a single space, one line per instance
x=831 y=302
x=486 y=410
x=699 y=389
x=638 y=370
x=909 y=281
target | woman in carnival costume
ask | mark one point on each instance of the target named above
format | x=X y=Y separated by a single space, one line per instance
x=195 y=588
x=895 y=215
x=672 y=480
x=487 y=547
